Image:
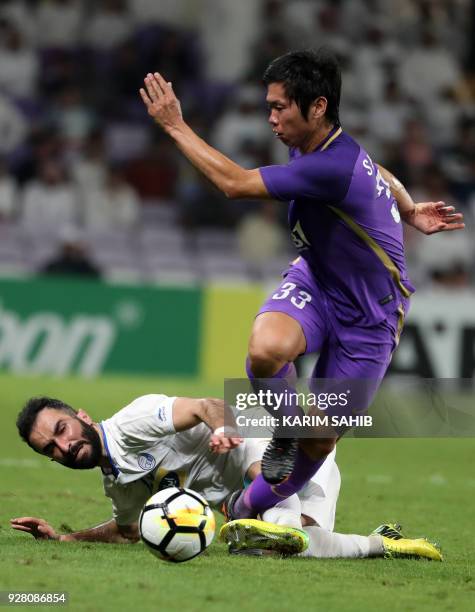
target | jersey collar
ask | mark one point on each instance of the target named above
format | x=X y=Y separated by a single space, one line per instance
x=114 y=468
x=333 y=134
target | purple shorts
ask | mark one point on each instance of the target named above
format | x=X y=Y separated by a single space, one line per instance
x=345 y=351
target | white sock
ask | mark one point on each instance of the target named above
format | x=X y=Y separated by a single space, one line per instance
x=286 y=513
x=325 y=544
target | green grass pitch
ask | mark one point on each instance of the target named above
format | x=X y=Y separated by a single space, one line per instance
x=428 y=485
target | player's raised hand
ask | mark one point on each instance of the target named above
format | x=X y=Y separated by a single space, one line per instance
x=37 y=527
x=223 y=440
x=433 y=217
x=161 y=102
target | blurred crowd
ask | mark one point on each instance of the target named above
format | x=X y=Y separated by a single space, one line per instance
x=78 y=150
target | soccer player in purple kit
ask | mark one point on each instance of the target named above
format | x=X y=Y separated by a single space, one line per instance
x=347 y=293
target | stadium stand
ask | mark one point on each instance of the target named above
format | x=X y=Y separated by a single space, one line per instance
x=69 y=75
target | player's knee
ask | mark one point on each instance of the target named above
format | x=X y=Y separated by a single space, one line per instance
x=268 y=354
x=317 y=448
x=326 y=445
x=262 y=365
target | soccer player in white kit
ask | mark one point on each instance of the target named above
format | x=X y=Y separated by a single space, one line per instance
x=158 y=441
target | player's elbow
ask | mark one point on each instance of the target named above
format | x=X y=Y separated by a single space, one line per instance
x=232 y=190
x=244 y=184
x=131 y=538
x=128 y=533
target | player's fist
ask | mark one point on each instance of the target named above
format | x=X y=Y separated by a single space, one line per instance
x=37 y=527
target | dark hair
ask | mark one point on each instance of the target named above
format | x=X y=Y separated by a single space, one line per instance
x=27 y=417
x=307 y=75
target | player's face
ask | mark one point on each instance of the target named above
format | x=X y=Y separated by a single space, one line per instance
x=285 y=117
x=66 y=439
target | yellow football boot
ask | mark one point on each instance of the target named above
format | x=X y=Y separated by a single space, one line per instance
x=405 y=548
x=254 y=535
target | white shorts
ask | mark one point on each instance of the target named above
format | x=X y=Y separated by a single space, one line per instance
x=319 y=497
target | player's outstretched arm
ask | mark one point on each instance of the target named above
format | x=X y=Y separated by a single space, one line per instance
x=188 y=412
x=230 y=178
x=427 y=217
x=108 y=532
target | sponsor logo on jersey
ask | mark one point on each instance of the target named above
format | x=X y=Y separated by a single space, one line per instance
x=146 y=461
x=171 y=479
x=161 y=416
x=387 y=299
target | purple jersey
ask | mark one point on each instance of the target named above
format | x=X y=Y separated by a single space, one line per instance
x=345 y=223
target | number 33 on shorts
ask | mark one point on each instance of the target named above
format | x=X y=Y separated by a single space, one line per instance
x=299 y=300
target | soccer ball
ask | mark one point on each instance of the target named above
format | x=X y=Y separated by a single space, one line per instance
x=176 y=524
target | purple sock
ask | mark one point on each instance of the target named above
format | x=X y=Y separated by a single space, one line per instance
x=286 y=371
x=280 y=384
x=260 y=495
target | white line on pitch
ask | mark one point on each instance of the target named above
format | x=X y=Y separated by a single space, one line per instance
x=24 y=463
x=438 y=479
x=379 y=478
x=35 y=464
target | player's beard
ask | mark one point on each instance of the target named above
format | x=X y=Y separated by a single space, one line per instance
x=88 y=460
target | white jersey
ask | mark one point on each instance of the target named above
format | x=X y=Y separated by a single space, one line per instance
x=147 y=455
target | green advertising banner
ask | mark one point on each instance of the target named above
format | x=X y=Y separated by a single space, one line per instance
x=60 y=327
